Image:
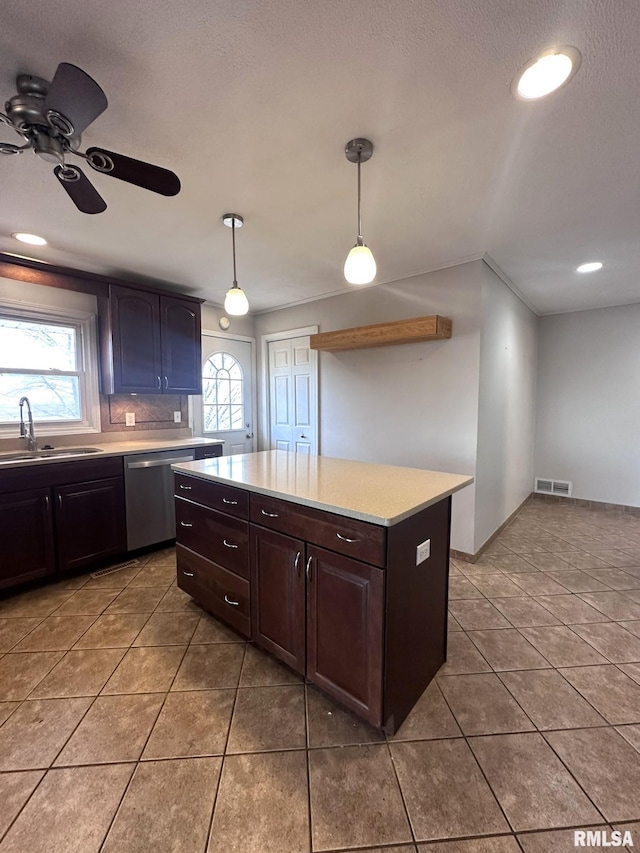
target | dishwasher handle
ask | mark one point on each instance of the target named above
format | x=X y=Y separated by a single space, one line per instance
x=156 y=463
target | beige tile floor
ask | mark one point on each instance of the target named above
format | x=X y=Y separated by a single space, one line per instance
x=131 y=721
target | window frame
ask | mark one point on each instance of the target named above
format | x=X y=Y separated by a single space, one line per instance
x=87 y=367
x=217 y=405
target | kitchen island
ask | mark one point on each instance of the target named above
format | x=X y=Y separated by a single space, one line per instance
x=338 y=568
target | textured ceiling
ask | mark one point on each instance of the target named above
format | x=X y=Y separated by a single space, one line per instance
x=251 y=103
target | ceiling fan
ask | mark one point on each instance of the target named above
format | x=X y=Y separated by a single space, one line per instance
x=51 y=118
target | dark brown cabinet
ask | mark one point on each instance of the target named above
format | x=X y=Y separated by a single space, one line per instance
x=60 y=517
x=150 y=343
x=26 y=533
x=90 y=522
x=345 y=608
x=278 y=595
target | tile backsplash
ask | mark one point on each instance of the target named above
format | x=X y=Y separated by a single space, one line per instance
x=152 y=411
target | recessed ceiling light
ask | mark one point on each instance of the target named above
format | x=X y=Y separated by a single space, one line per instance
x=593 y=266
x=31 y=239
x=546 y=73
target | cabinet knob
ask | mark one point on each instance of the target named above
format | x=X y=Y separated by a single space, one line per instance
x=188 y=574
x=186 y=488
x=186 y=524
x=345 y=538
x=269 y=514
x=308 y=569
x=231 y=503
x=229 y=544
x=229 y=601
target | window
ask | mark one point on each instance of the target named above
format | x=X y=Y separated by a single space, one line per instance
x=46 y=357
x=222 y=393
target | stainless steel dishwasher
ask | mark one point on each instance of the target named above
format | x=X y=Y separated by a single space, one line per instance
x=148 y=483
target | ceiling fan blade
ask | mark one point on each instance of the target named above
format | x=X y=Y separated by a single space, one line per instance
x=76 y=97
x=132 y=171
x=80 y=189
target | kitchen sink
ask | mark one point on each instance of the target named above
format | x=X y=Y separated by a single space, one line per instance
x=24 y=456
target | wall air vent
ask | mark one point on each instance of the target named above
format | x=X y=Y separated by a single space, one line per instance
x=561 y=488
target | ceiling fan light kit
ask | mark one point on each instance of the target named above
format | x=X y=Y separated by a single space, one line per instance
x=51 y=117
x=235 y=300
x=360 y=265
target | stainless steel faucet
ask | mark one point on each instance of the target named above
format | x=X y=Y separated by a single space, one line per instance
x=27 y=431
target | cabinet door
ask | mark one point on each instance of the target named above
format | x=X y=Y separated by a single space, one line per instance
x=90 y=522
x=345 y=602
x=135 y=317
x=181 y=346
x=277 y=595
x=26 y=533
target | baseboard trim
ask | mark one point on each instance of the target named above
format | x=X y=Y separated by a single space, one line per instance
x=473 y=558
x=536 y=497
x=633 y=510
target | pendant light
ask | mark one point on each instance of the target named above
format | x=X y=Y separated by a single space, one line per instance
x=360 y=266
x=235 y=302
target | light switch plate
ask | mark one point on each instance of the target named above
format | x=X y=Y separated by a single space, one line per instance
x=177 y=417
x=423 y=551
x=130 y=418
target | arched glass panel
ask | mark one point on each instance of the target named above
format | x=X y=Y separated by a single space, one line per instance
x=222 y=393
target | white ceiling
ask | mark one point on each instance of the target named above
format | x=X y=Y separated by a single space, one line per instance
x=251 y=103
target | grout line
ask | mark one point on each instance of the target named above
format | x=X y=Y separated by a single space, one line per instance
x=224 y=751
x=308 y=763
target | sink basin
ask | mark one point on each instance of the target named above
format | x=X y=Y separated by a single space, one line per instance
x=24 y=456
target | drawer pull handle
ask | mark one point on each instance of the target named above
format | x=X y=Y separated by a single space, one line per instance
x=269 y=514
x=186 y=524
x=232 y=603
x=186 y=488
x=345 y=539
x=229 y=544
x=296 y=562
x=188 y=574
x=232 y=503
x=309 y=568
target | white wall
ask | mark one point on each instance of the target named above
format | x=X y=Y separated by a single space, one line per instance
x=53 y=297
x=414 y=405
x=211 y=313
x=506 y=413
x=588 y=403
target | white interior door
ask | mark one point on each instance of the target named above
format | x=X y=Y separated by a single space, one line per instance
x=293 y=395
x=225 y=409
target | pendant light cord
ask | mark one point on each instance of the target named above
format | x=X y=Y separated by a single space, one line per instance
x=233 y=240
x=359 y=240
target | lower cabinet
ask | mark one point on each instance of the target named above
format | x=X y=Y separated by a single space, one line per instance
x=345 y=611
x=278 y=595
x=60 y=517
x=26 y=533
x=90 y=522
x=340 y=601
x=322 y=614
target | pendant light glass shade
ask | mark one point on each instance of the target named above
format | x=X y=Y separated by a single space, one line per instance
x=360 y=265
x=235 y=300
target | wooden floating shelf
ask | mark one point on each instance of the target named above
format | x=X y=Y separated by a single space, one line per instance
x=413 y=331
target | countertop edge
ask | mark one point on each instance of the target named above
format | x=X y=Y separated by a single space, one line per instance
x=326 y=507
x=162 y=446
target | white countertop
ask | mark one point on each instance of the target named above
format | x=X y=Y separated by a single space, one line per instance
x=110 y=448
x=381 y=494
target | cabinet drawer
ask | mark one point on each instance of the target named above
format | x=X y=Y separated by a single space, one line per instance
x=357 y=539
x=216 y=536
x=221 y=592
x=214 y=495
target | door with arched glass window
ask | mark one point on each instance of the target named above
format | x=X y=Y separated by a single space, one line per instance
x=225 y=409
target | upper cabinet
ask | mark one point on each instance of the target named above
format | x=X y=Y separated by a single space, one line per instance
x=150 y=343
